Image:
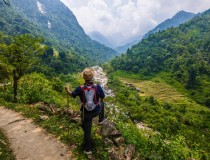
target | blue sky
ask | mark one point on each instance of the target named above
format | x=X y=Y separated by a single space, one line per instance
x=122 y=20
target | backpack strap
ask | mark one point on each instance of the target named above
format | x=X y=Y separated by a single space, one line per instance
x=83 y=94
x=96 y=88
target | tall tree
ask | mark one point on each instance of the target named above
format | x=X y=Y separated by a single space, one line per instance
x=5 y=69
x=6 y=2
x=22 y=54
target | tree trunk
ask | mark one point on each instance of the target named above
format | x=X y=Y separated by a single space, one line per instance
x=15 y=85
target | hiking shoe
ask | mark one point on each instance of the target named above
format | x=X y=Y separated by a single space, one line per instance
x=88 y=152
x=103 y=120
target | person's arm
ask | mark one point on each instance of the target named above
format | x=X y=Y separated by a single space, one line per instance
x=68 y=90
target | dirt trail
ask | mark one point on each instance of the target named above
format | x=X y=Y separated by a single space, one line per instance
x=28 y=141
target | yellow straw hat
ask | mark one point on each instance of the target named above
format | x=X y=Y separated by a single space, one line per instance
x=88 y=74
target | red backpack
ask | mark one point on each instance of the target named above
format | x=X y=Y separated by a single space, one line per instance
x=89 y=100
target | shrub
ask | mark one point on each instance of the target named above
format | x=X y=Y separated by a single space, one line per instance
x=35 y=87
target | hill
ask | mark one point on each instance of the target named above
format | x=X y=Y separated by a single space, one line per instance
x=55 y=22
x=176 y=20
x=97 y=36
x=178 y=54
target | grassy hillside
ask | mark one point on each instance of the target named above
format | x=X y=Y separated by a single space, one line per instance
x=166 y=110
x=181 y=54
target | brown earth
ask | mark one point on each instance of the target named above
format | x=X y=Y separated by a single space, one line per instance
x=28 y=141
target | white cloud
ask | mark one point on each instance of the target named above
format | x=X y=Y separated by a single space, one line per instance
x=120 y=20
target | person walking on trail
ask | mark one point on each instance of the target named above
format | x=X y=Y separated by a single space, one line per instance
x=91 y=97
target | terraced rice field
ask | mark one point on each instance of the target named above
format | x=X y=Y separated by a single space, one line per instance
x=158 y=90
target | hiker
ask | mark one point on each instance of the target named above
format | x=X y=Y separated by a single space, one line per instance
x=91 y=97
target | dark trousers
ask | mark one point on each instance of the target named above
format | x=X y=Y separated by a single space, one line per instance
x=86 y=126
x=101 y=115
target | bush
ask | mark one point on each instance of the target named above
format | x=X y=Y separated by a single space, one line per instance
x=207 y=102
x=35 y=87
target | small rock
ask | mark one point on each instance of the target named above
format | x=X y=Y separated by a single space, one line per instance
x=114 y=153
x=43 y=117
x=107 y=128
x=119 y=141
x=76 y=119
x=116 y=133
x=108 y=142
x=130 y=151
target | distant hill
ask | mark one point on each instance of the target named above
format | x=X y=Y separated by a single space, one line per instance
x=176 y=20
x=181 y=52
x=123 y=49
x=54 y=21
x=97 y=36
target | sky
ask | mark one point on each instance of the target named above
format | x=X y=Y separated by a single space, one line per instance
x=121 y=21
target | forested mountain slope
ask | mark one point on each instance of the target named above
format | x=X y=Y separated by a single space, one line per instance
x=179 y=18
x=182 y=52
x=55 y=22
x=176 y=20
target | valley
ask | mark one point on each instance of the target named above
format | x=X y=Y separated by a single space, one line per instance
x=157 y=91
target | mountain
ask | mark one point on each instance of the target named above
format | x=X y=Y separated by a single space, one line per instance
x=181 y=52
x=176 y=20
x=123 y=49
x=97 y=36
x=57 y=23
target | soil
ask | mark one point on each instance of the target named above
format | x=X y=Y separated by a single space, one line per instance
x=28 y=141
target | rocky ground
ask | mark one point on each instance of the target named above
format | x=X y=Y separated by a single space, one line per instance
x=101 y=78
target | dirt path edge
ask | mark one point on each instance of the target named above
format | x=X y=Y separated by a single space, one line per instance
x=28 y=141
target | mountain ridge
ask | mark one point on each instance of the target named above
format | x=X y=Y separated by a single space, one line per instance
x=179 y=18
x=60 y=24
x=99 y=37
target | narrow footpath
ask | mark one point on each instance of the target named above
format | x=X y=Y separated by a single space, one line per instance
x=28 y=141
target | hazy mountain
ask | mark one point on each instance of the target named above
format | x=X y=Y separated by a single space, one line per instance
x=54 y=19
x=123 y=49
x=176 y=20
x=97 y=36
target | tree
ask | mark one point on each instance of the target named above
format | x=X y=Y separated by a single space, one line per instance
x=4 y=68
x=22 y=54
x=6 y=2
x=191 y=79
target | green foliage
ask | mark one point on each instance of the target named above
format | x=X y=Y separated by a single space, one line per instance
x=182 y=52
x=5 y=151
x=153 y=146
x=182 y=126
x=22 y=54
x=35 y=87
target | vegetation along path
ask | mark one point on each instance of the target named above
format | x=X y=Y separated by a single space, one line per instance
x=29 y=141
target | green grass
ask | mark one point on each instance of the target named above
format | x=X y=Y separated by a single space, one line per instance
x=158 y=90
x=167 y=110
x=5 y=151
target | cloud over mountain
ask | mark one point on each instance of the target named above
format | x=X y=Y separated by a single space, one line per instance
x=120 y=20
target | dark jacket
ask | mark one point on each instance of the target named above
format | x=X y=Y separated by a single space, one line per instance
x=100 y=94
